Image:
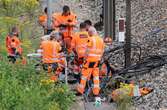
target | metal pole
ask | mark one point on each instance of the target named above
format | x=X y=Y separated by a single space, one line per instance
x=127 y=49
x=109 y=18
x=49 y=15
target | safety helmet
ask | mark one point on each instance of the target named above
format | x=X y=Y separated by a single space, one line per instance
x=108 y=40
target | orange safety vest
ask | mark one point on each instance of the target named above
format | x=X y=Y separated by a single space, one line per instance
x=8 y=40
x=50 y=51
x=13 y=42
x=42 y=20
x=59 y=18
x=79 y=43
x=95 y=49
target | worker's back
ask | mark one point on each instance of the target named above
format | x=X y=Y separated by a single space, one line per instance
x=15 y=40
x=79 y=43
x=50 y=51
x=95 y=48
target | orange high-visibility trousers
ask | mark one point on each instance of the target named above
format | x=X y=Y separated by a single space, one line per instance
x=87 y=72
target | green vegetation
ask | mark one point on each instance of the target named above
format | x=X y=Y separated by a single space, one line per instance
x=21 y=89
x=20 y=86
x=124 y=101
x=23 y=14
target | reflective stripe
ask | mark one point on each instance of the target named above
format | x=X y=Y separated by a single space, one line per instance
x=95 y=50
x=96 y=78
x=81 y=50
x=84 y=78
x=93 y=55
x=52 y=59
x=81 y=86
x=96 y=86
x=81 y=45
x=39 y=51
x=94 y=43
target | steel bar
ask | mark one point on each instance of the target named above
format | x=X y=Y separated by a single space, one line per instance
x=49 y=14
x=127 y=49
x=109 y=18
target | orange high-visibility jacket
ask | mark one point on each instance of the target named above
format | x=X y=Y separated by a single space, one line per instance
x=59 y=18
x=42 y=20
x=95 y=49
x=9 y=49
x=79 y=43
x=13 y=42
x=17 y=44
x=70 y=20
x=8 y=38
x=50 y=53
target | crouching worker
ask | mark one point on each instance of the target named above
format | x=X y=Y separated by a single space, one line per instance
x=90 y=68
x=13 y=45
x=51 y=56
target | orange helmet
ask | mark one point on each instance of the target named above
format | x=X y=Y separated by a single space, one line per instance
x=108 y=40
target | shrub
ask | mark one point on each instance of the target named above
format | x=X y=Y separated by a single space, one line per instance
x=20 y=89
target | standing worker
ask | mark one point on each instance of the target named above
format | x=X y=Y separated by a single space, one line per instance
x=79 y=44
x=43 y=21
x=13 y=45
x=90 y=68
x=65 y=21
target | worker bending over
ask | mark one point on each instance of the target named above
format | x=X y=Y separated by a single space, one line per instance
x=91 y=64
x=13 y=45
x=51 y=55
x=65 y=21
x=79 y=44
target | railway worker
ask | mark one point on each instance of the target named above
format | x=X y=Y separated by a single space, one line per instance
x=43 y=22
x=90 y=68
x=89 y=25
x=79 y=45
x=65 y=21
x=51 y=55
x=13 y=45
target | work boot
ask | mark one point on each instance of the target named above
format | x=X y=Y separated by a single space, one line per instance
x=78 y=94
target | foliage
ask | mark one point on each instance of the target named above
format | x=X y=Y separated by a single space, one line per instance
x=124 y=101
x=23 y=14
x=20 y=89
x=20 y=86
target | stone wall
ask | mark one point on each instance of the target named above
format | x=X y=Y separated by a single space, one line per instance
x=85 y=9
